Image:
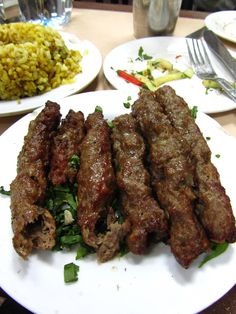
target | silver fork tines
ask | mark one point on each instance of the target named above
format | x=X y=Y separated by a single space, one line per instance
x=203 y=67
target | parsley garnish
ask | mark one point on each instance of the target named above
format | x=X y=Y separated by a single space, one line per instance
x=98 y=109
x=62 y=203
x=142 y=56
x=4 y=192
x=127 y=103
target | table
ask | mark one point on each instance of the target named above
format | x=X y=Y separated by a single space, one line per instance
x=91 y=21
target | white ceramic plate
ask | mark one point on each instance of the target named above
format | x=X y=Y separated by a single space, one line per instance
x=223 y=24
x=91 y=65
x=130 y=285
x=170 y=48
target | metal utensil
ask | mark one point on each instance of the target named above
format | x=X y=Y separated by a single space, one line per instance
x=203 y=68
x=197 y=34
x=218 y=48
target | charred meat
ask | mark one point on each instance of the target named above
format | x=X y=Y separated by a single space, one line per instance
x=172 y=175
x=214 y=208
x=33 y=226
x=96 y=186
x=138 y=204
x=65 y=147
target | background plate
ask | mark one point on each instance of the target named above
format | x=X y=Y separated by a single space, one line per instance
x=130 y=285
x=223 y=24
x=175 y=50
x=91 y=65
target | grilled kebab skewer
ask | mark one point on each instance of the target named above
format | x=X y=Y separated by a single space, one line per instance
x=214 y=209
x=33 y=225
x=66 y=145
x=96 y=188
x=138 y=204
x=172 y=175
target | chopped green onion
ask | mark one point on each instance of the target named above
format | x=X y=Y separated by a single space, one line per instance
x=71 y=239
x=110 y=124
x=82 y=252
x=71 y=272
x=217 y=155
x=208 y=138
x=194 y=111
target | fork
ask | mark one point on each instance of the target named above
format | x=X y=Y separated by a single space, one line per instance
x=203 y=67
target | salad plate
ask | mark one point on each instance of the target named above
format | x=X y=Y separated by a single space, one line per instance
x=127 y=57
x=153 y=283
x=91 y=64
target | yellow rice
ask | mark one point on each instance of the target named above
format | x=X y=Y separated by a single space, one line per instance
x=33 y=60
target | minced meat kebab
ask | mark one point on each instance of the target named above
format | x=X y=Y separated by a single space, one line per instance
x=146 y=179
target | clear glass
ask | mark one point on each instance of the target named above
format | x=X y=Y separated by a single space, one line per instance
x=155 y=17
x=9 y=11
x=47 y=12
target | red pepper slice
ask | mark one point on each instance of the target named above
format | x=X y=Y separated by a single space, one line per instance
x=177 y=57
x=129 y=78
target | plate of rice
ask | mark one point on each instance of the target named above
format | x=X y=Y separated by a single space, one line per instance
x=39 y=64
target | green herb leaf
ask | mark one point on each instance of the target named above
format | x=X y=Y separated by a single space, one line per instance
x=82 y=252
x=194 y=111
x=62 y=203
x=74 y=161
x=71 y=239
x=217 y=249
x=110 y=124
x=126 y=105
x=71 y=272
x=140 y=53
x=4 y=192
x=98 y=109
x=142 y=56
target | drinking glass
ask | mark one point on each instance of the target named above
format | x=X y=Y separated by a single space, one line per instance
x=155 y=17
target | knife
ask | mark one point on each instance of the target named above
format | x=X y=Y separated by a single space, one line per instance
x=197 y=34
x=217 y=47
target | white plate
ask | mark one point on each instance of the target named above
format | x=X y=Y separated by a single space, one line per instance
x=168 y=48
x=91 y=65
x=131 y=285
x=223 y=23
